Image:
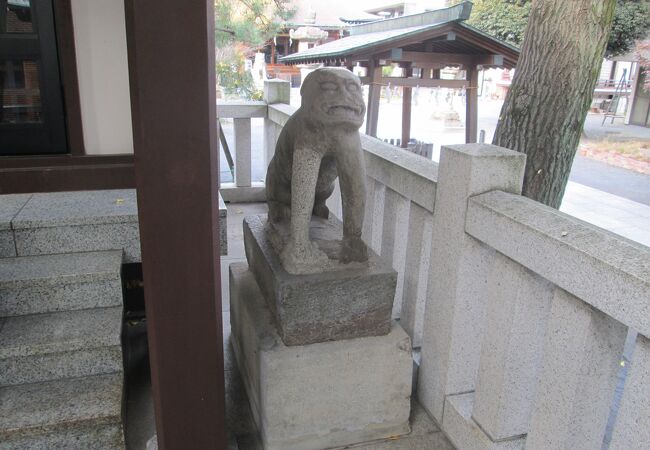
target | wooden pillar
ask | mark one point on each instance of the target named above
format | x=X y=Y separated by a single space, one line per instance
x=406 y=110
x=176 y=166
x=471 y=105
x=374 y=94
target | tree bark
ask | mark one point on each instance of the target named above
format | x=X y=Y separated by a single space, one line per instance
x=545 y=109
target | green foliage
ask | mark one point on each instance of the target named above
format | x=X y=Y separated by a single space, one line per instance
x=242 y=27
x=631 y=22
x=642 y=51
x=253 y=22
x=232 y=77
x=503 y=19
x=506 y=20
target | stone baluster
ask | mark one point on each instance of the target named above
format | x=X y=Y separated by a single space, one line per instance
x=376 y=213
x=334 y=202
x=369 y=212
x=455 y=310
x=416 y=271
x=393 y=240
x=518 y=307
x=632 y=427
x=578 y=377
x=242 y=152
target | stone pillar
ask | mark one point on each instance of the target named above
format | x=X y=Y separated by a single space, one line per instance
x=578 y=377
x=455 y=310
x=275 y=91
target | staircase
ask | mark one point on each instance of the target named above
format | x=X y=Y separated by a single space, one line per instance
x=61 y=367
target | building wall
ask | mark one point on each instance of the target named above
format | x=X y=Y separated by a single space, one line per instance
x=100 y=40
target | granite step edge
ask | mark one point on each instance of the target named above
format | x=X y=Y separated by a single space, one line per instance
x=61 y=405
x=58 y=366
x=91 y=207
x=60 y=332
x=60 y=269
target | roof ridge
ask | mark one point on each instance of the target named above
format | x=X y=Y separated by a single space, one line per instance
x=459 y=12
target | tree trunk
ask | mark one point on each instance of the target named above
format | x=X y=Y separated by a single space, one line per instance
x=545 y=109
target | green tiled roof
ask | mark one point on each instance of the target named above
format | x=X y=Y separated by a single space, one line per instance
x=353 y=44
x=365 y=37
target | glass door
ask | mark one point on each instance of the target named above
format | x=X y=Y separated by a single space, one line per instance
x=31 y=104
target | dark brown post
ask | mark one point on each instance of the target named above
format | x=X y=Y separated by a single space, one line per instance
x=406 y=110
x=374 y=94
x=172 y=79
x=471 y=105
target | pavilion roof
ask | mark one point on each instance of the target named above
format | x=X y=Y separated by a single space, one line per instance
x=439 y=31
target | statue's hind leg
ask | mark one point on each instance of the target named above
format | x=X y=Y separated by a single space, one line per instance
x=278 y=212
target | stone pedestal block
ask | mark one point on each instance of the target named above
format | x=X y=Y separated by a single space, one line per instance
x=321 y=395
x=344 y=301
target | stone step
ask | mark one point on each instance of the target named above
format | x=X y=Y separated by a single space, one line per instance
x=64 y=222
x=68 y=344
x=74 y=413
x=46 y=283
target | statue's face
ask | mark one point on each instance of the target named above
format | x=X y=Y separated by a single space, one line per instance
x=332 y=96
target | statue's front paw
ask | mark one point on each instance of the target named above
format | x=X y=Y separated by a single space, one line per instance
x=353 y=249
x=299 y=257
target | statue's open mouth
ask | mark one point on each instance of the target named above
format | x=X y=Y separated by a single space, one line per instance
x=343 y=109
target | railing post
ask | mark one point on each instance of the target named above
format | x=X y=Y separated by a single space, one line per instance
x=455 y=309
x=275 y=91
x=578 y=376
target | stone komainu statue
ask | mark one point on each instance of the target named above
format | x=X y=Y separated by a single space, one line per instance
x=317 y=144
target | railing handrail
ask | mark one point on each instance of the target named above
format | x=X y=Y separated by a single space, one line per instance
x=241 y=109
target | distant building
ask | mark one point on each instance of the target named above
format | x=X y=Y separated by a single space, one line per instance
x=317 y=23
x=313 y=24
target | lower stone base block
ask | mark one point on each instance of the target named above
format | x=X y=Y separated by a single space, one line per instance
x=465 y=433
x=320 y=395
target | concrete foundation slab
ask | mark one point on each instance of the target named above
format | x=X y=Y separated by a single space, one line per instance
x=321 y=395
x=343 y=302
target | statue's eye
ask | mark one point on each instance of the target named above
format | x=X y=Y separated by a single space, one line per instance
x=328 y=86
x=353 y=87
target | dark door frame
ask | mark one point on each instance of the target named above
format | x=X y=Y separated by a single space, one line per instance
x=172 y=80
x=68 y=67
x=75 y=170
x=46 y=136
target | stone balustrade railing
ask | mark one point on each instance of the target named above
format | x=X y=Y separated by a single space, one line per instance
x=241 y=112
x=527 y=308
